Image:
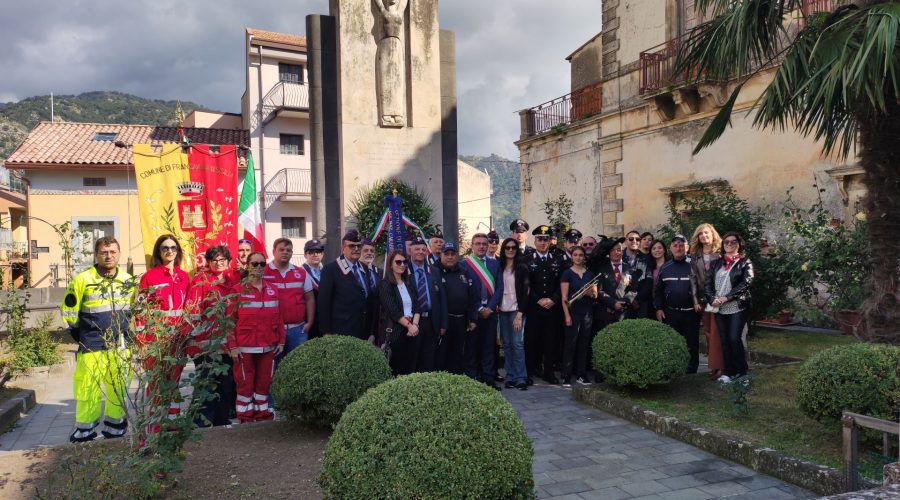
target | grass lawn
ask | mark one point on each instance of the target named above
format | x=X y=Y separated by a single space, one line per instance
x=773 y=419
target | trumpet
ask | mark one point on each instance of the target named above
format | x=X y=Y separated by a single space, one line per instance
x=583 y=290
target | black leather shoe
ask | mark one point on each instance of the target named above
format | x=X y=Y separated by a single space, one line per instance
x=509 y=384
x=522 y=387
x=529 y=381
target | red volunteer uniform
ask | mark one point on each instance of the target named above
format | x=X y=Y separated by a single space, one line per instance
x=169 y=293
x=291 y=287
x=258 y=330
x=205 y=292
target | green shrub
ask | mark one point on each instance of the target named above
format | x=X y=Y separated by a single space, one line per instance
x=429 y=435
x=316 y=381
x=33 y=347
x=640 y=352
x=861 y=378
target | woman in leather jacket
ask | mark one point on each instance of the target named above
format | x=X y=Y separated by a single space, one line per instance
x=728 y=289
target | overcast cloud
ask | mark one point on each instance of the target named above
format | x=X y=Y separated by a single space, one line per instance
x=510 y=53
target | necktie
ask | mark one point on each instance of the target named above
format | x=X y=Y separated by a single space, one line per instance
x=359 y=277
x=422 y=288
x=618 y=274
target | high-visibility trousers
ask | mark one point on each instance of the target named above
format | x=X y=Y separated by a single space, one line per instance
x=99 y=374
x=253 y=376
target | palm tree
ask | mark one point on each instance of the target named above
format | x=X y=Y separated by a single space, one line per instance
x=838 y=80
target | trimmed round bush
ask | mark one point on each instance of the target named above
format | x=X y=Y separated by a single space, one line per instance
x=316 y=381
x=640 y=353
x=428 y=435
x=861 y=378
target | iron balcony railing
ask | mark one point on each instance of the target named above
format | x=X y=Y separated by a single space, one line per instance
x=570 y=108
x=292 y=96
x=288 y=182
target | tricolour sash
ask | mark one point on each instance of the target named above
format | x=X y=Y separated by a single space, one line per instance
x=480 y=268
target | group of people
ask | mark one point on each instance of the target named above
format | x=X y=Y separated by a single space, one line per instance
x=428 y=309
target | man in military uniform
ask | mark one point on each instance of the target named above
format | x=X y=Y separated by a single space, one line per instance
x=97 y=309
x=571 y=239
x=435 y=246
x=544 y=307
x=519 y=230
x=493 y=244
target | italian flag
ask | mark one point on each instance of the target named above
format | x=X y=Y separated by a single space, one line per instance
x=248 y=209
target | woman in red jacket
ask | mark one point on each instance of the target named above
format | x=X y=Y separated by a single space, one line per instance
x=164 y=288
x=257 y=338
x=208 y=288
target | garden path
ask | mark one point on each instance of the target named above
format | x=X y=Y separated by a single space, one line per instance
x=582 y=453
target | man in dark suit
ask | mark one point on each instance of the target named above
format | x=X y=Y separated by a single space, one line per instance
x=373 y=276
x=617 y=286
x=544 y=323
x=485 y=271
x=432 y=301
x=344 y=292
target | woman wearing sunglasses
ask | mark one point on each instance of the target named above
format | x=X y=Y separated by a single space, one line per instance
x=512 y=314
x=399 y=323
x=728 y=293
x=208 y=288
x=257 y=338
x=163 y=290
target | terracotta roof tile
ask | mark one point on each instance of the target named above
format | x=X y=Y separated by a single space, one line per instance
x=74 y=144
x=271 y=36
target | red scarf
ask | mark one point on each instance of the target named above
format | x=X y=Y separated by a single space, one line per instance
x=729 y=260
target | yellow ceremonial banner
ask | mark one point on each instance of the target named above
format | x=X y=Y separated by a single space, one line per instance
x=159 y=174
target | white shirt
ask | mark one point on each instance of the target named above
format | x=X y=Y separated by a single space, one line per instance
x=407 y=300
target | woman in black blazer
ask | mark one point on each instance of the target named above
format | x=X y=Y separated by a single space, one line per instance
x=399 y=315
x=728 y=293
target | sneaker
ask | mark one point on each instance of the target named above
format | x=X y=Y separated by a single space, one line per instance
x=724 y=379
x=583 y=381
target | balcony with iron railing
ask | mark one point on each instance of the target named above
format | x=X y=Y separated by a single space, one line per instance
x=289 y=99
x=562 y=111
x=289 y=184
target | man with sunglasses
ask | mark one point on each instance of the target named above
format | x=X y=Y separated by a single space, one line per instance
x=493 y=244
x=313 y=251
x=632 y=252
x=344 y=292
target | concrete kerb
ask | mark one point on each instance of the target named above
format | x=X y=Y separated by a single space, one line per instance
x=13 y=409
x=811 y=476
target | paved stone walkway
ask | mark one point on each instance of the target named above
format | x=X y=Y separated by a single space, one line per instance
x=582 y=453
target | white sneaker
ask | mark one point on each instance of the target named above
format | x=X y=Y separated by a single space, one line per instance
x=724 y=379
x=582 y=381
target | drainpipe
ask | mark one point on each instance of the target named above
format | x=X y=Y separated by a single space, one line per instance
x=262 y=135
x=27 y=280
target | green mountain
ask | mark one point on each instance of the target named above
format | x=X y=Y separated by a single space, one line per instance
x=505 y=187
x=17 y=118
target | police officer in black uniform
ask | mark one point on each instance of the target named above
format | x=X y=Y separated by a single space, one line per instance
x=542 y=330
x=463 y=301
x=519 y=230
x=676 y=300
x=571 y=238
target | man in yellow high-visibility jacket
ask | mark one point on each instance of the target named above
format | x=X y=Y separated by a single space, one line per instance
x=97 y=309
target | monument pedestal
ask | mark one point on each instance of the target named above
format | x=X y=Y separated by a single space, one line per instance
x=382 y=105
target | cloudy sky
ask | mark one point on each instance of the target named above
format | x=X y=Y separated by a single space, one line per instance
x=510 y=53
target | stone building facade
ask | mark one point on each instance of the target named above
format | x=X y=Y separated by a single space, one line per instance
x=620 y=144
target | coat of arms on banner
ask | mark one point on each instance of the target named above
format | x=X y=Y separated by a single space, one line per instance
x=192 y=211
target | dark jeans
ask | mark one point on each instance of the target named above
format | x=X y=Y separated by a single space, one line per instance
x=731 y=326
x=480 y=349
x=217 y=410
x=427 y=345
x=687 y=324
x=577 y=338
x=542 y=340
x=451 y=347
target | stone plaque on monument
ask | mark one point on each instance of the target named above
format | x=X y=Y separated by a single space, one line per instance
x=376 y=75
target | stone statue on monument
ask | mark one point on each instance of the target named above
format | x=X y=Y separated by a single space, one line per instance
x=391 y=64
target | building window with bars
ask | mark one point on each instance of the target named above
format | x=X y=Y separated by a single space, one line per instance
x=290 y=73
x=291 y=144
x=293 y=227
x=94 y=181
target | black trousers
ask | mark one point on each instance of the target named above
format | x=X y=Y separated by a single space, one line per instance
x=427 y=345
x=451 y=347
x=404 y=353
x=731 y=327
x=479 y=351
x=216 y=411
x=542 y=339
x=687 y=323
x=577 y=338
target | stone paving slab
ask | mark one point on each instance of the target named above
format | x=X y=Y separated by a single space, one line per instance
x=583 y=453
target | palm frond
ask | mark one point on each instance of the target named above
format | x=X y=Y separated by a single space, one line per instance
x=721 y=122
